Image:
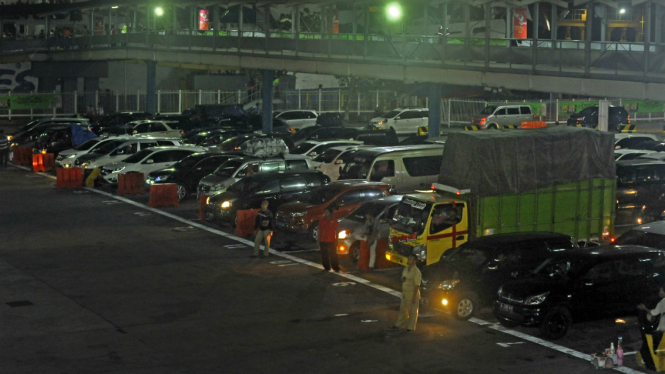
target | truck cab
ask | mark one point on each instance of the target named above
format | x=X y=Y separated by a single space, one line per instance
x=427 y=225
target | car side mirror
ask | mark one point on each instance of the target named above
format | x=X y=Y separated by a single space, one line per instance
x=150 y=161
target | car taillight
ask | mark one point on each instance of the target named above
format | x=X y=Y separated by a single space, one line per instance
x=629 y=119
x=482 y=122
x=534 y=116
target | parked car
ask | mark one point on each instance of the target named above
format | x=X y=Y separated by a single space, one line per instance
x=157 y=129
x=639 y=181
x=581 y=285
x=314 y=148
x=303 y=216
x=381 y=209
x=146 y=161
x=237 y=168
x=497 y=116
x=323 y=133
x=238 y=143
x=381 y=138
x=65 y=159
x=650 y=145
x=116 y=119
x=54 y=140
x=407 y=168
x=28 y=137
x=44 y=122
x=468 y=277
x=296 y=120
x=188 y=172
x=651 y=156
x=333 y=168
x=588 y=117
x=277 y=187
x=210 y=138
x=650 y=235
x=632 y=140
x=629 y=154
x=401 y=120
x=330 y=119
x=119 y=150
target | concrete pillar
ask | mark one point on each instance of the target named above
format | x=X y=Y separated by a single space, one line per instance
x=90 y=84
x=587 y=38
x=553 y=24
x=151 y=87
x=603 y=22
x=509 y=24
x=534 y=41
x=266 y=101
x=488 y=30
x=434 y=120
x=647 y=35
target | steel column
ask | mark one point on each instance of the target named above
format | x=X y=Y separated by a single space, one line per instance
x=647 y=35
x=266 y=101
x=434 y=120
x=151 y=86
x=534 y=40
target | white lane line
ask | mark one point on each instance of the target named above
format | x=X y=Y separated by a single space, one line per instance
x=352 y=277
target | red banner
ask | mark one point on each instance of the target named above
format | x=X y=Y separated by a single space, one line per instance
x=335 y=22
x=203 y=19
x=519 y=23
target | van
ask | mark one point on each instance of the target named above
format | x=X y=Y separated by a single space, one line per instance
x=407 y=168
x=401 y=120
x=497 y=116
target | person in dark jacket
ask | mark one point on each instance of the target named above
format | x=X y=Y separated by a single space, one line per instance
x=263 y=228
x=4 y=150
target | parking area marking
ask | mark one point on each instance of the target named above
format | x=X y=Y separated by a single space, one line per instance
x=280 y=262
x=350 y=277
x=507 y=345
x=344 y=284
x=141 y=214
x=291 y=264
x=231 y=246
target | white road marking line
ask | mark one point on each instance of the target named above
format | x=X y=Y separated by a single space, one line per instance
x=235 y=246
x=304 y=250
x=280 y=262
x=507 y=345
x=287 y=265
x=387 y=290
x=341 y=315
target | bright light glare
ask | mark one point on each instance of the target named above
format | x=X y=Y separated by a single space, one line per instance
x=394 y=11
x=444 y=302
x=622 y=10
x=114 y=7
x=159 y=11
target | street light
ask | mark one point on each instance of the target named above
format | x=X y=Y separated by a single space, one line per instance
x=159 y=11
x=622 y=10
x=394 y=11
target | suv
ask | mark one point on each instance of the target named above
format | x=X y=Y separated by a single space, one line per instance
x=588 y=117
x=296 y=120
x=210 y=138
x=402 y=121
x=468 y=276
x=119 y=150
x=583 y=284
x=236 y=168
x=303 y=216
x=29 y=133
x=497 y=116
x=66 y=158
x=277 y=187
x=117 y=119
x=157 y=129
x=639 y=181
x=651 y=235
x=632 y=141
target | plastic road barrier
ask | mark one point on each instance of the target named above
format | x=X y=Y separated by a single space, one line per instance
x=42 y=162
x=163 y=195
x=23 y=156
x=203 y=200
x=363 y=258
x=131 y=184
x=245 y=222
x=69 y=178
x=533 y=124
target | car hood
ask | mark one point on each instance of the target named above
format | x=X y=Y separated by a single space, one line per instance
x=349 y=224
x=215 y=180
x=160 y=172
x=69 y=152
x=227 y=195
x=296 y=206
x=534 y=285
x=90 y=156
x=577 y=115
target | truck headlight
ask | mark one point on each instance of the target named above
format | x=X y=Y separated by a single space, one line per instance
x=448 y=285
x=226 y=204
x=536 y=299
x=344 y=234
x=420 y=252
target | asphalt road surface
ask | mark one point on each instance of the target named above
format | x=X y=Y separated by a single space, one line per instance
x=93 y=283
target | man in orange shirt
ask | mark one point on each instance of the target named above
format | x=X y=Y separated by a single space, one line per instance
x=328 y=228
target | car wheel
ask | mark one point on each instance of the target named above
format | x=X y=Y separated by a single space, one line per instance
x=182 y=192
x=556 y=323
x=314 y=232
x=507 y=323
x=493 y=126
x=464 y=307
x=355 y=251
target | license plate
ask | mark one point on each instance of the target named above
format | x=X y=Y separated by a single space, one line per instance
x=505 y=307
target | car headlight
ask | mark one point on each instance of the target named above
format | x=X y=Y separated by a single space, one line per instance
x=298 y=214
x=536 y=299
x=208 y=200
x=227 y=204
x=448 y=285
x=13 y=144
x=9 y=137
x=344 y=234
x=500 y=291
x=420 y=252
x=161 y=178
x=117 y=170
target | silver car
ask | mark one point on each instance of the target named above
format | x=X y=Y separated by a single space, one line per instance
x=497 y=116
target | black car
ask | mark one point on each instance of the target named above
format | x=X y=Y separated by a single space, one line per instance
x=651 y=235
x=55 y=139
x=584 y=284
x=212 y=137
x=329 y=119
x=319 y=132
x=469 y=276
x=380 y=138
x=188 y=172
x=277 y=187
x=117 y=119
x=588 y=117
x=639 y=181
x=236 y=143
x=649 y=145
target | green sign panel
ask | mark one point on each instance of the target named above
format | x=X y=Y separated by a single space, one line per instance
x=638 y=106
x=537 y=108
x=18 y=102
x=570 y=107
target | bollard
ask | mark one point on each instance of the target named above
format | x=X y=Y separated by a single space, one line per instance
x=69 y=178
x=203 y=201
x=381 y=261
x=163 y=195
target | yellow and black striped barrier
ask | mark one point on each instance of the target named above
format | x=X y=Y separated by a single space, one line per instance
x=627 y=128
x=471 y=128
x=423 y=130
x=510 y=127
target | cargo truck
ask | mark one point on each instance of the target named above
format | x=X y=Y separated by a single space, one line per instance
x=558 y=180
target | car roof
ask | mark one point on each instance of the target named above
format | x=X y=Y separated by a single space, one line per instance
x=273 y=174
x=657 y=227
x=332 y=141
x=375 y=151
x=504 y=239
x=638 y=162
x=627 y=151
x=388 y=200
x=620 y=136
x=610 y=252
x=350 y=183
x=177 y=148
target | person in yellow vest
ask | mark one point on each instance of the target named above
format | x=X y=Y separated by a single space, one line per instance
x=408 y=310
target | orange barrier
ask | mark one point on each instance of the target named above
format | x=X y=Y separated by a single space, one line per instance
x=70 y=178
x=23 y=156
x=381 y=261
x=203 y=200
x=245 y=222
x=363 y=257
x=131 y=184
x=533 y=124
x=42 y=162
x=163 y=195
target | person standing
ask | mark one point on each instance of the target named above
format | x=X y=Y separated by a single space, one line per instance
x=408 y=310
x=4 y=150
x=263 y=228
x=328 y=228
x=369 y=234
x=644 y=354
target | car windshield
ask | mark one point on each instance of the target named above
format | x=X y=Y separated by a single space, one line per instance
x=233 y=143
x=371 y=208
x=357 y=168
x=469 y=257
x=392 y=114
x=488 y=110
x=138 y=156
x=639 y=237
x=411 y=216
x=304 y=133
x=327 y=156
x=303 y=148
x=87 y=145
x=560 y=269
x=320 y=195
x=589 y=110
x=228 y=168
x=108 y=147
x=188 y=162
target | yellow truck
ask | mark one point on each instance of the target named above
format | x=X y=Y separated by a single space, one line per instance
x=555 y=180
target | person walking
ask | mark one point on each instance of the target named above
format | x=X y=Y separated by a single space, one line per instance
x=4 y=150
x=408 y=310
x=328 y=228
x=644 y=355
x=263 y=228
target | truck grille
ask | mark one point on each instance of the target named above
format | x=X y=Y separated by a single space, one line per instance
x=402 y=248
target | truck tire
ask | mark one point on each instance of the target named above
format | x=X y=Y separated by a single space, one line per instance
x=556 y=323
x=464 y=306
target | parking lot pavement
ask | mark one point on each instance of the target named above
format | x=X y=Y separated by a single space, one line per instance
x=92 y=283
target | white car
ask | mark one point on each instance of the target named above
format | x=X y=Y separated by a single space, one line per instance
x=402 y=120
x=66 y=158
x=629 y=154
x=147 y=161
x=314 y=148
x=325 y=161
x=296 y=120
x=157 y=129
x=118 y=150
x=630 y=140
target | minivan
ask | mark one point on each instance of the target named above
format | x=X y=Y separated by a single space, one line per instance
x=407 y=168
x=497 y=116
